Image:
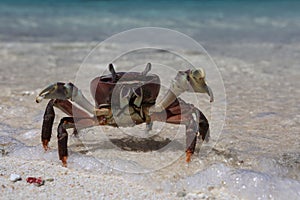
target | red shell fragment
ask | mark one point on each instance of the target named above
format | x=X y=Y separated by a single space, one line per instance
x=36 y=181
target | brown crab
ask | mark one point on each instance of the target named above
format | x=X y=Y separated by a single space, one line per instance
x=126 y=99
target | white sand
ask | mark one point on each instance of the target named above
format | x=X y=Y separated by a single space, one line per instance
x=259 y=144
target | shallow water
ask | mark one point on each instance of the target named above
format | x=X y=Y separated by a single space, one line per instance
x=257 y=154
x=213 y=21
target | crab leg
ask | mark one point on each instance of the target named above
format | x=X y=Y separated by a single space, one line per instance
x=65 y=106
x=48 y=124
x=62 y=140
x=62 y=134
x=180 y=112
x=65 y=91
x=191 y=139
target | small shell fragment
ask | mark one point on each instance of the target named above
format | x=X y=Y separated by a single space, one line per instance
x=15 y=177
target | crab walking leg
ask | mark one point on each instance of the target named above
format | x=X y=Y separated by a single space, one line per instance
x=48 y=124
x=62 y=134
x=65 y=91
x=203 y=131
x=149 y=126
x=191 y=132
x=180 y=112
x=65 y=106
x=192 y=128
x=191 y=138
x=62 y=140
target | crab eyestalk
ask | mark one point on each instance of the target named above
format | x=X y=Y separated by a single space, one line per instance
x=146 y=70
x=185 y=81
x=64 y=91
x=113 y=72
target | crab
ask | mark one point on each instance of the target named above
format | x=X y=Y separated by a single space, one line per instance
x=126 y=99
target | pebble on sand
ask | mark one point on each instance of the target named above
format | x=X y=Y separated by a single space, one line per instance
x=15 y=177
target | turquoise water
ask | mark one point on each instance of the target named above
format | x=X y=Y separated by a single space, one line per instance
x=213 y=21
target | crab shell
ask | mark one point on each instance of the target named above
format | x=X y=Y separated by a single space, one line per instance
x=144 y=89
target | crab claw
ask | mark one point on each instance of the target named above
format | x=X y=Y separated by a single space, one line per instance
x=65 y=91
x=185 y=81
x=198 y=83
x=43 y=93
x=55 y=91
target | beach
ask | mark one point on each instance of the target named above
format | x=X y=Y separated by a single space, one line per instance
x=253 y=153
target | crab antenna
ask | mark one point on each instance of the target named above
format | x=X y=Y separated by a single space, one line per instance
x=113 y=72
x=147 y=69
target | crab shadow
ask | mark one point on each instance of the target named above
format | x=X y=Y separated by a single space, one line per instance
x=130 y=143
x=140 y=144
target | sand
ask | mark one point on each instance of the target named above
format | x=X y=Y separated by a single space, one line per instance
x=256 y=155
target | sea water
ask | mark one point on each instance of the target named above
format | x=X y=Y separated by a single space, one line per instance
x=83 y=20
